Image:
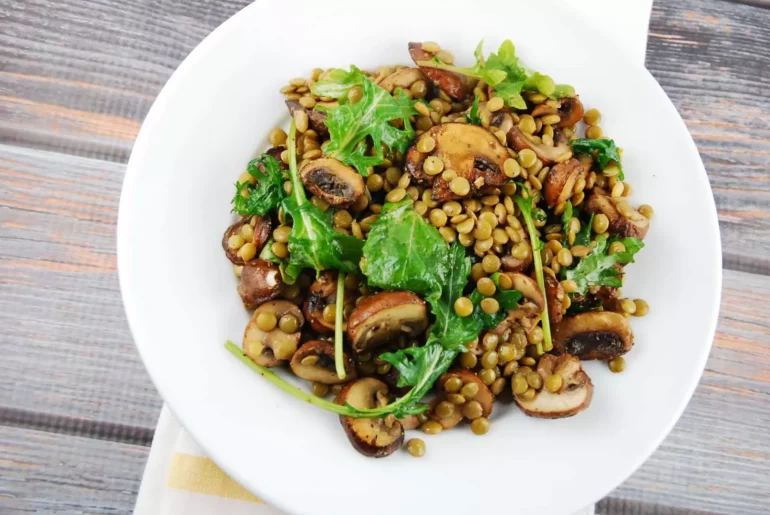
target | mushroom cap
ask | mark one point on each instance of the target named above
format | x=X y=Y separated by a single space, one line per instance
x=471 y=151
x=449 y=82
x=260 y=281
x=561 y=151
x=560 y=182
x=593 y=335
x=260 y=345
x=402 y=78
x=322 y=292
x=261 y=226
x=383 y=316
x=323 y=370
x=316 y=119
x=570 y=112
x=634 y=226
x=529 y=289
x=575 y=394
x=372 y=437
x=334 y=182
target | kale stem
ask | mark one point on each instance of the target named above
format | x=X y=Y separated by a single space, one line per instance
x=296 y=183
x=286 y=387
x=338 y=357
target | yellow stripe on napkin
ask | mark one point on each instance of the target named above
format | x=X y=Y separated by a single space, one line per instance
x=200 y=475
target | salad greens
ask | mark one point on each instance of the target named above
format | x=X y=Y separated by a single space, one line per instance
x=599 y=268
x=472 y=116
x=603 y=151
x=583 y=237
x=266 y=194
x=313 y=242
x=505 y=73
x=353 y=126
x=524 y=201
x=566 y=218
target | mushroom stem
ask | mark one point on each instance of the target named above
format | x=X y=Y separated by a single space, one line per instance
x=339 y=362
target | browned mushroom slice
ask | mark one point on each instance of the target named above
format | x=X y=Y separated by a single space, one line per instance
x=403 y=79
x=555 y=295
x=316 y=118
x=484 y=396
x=322 y=293
x=533 y=295
x=260 y=282
x=383 y=317
x=261 y=233
x=624 y=219
x=561 y=151
x=314 y=361
x=560 y=182
x=570 y=112
x=595 y=335
x=573 y=397
x=273 y=347
x=334 y=182
x=449 y=82
x=373 y=437
x=449 y=421
x=471 y=151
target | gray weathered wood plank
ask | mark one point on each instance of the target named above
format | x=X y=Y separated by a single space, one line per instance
x=73 y=85
x=65 y=343
x=49 y=473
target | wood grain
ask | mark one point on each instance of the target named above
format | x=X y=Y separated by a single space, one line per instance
x=65 y=343
x=72 y=85
x=49 y=473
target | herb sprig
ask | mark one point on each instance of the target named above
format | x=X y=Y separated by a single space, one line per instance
x=599 y=268
x=604 y=151
x=263 y=196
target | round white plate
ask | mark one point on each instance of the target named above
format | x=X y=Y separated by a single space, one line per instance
x=179 y=290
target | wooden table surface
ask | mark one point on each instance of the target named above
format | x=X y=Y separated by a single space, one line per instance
x=77 y=410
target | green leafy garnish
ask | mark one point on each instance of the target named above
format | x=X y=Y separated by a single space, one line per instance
x=598 y=268
x=404 y=252
x=313 y=242
x=603 y=151
x=266 y=194
x=338 y=84
x=353 y=127
x=524 y=201
x=473 y=115
x=506 y=74
x=583 y=237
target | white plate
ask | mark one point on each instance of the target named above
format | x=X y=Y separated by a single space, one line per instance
x=179 y=290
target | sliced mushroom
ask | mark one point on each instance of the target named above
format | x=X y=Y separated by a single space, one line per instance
x=372 y=437
x=260 y=282
x=314 y=361
x=271 y=348
x=261 y=226
x=471 y=151
x=624 y=219
x=533 y=295
x=449 y=82
x=594 y=335
x=555 y=295
x=560 y=151
x=570 y=112
x=560 y=182
x=322 y=293
x=514 y=264
x=403 y=79
x=384 y=316
x=316 y=118
x=484 y=396
x=334 y=182
x=573 y=397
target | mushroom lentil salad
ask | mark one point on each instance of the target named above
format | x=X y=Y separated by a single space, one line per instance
x=432 y=229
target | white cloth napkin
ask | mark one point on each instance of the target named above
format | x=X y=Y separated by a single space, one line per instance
x=180 y=479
